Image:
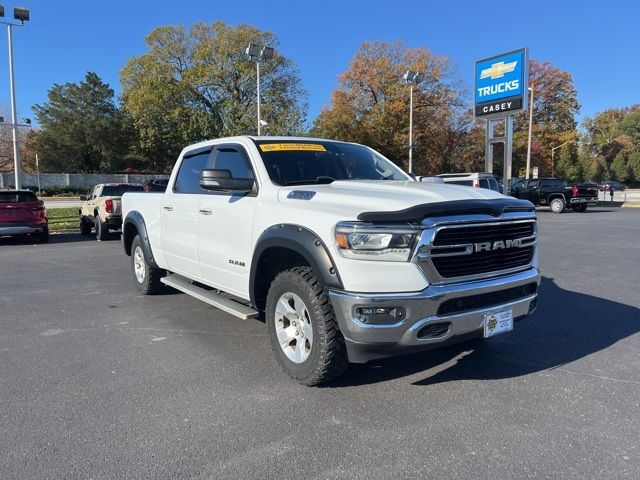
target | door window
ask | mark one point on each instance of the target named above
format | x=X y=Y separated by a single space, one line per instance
x=188 y=179
x=234 y=160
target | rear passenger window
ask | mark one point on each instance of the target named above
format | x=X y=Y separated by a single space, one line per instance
x=484 y=183
x=466 y=183
x=188 y=180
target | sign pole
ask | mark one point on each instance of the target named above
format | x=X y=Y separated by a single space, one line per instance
x=508 y=154
x=488 y=148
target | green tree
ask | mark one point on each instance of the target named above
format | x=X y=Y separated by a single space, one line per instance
x=611 y=132
x=197 y=83
x=370 y=105
x=630 y=126
x=634 y=164
x=554 y=109
x=82 y=128
x=620 y=169
x=568 y=165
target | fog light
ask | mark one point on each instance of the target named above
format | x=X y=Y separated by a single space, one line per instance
x=380 y=315
x=533 y=305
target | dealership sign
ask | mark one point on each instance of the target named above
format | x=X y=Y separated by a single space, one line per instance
x=501 y=84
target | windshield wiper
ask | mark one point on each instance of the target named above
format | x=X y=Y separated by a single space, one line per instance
x=322 y=180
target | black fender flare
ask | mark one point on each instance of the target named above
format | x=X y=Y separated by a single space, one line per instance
x=305 y=243
x=132 y=224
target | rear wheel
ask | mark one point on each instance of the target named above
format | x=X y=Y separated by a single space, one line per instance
x=557 y=205
x=43 y=236
x=102 y=231
x=302 y=327
x=147 y=278
x=579 y=208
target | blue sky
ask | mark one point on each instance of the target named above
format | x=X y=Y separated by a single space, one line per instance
x=597 y=41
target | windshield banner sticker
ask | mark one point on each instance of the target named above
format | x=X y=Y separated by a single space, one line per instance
x=283 y=147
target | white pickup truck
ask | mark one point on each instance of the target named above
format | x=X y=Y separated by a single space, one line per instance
x=348 y=258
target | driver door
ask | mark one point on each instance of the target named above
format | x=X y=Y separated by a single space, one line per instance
x=225 y=225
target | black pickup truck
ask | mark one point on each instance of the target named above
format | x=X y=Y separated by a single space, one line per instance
x=554 y=193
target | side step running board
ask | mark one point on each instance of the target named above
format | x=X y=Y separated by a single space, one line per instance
x=230 y=306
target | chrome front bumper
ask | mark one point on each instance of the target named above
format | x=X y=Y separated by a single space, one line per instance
x=369 y=341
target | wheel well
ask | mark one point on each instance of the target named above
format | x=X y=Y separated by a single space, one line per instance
x=129 y=232
x=271 y=262
x=557 y=195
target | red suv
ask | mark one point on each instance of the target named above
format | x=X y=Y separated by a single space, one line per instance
x=21 y=213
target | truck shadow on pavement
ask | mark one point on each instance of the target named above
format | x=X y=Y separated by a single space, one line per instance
x=566 y=327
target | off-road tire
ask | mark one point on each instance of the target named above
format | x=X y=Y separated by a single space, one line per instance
x=557 y=205
x=85 y=228
x=579 y=208
x=149 y=283
x=102 y=231
x=328 y=356
x=43 y=236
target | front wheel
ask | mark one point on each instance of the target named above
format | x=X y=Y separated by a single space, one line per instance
x=147 y=278
x=85 y=228
x=303 y=329
x=557 y=205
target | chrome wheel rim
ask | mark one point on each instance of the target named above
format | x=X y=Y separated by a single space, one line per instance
x=293 y=327
x=556 y=206
x=139 y=266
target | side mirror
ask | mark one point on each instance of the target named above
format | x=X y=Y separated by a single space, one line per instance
x=83 y=198
x=222 y=181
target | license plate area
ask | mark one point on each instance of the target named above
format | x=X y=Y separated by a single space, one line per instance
x=497 y=322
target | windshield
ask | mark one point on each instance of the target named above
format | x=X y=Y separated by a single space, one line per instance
x=300 y=162
x=119 y=190
x=17 y=197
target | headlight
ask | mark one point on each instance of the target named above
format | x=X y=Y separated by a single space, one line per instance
x=390 y=243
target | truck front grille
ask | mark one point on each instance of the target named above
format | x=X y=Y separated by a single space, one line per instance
x=477 y=250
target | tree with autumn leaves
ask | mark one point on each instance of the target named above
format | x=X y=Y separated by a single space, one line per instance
x=195 y=83
x=370 y=105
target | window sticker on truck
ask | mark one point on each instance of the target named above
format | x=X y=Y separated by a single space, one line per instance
x=282 y=147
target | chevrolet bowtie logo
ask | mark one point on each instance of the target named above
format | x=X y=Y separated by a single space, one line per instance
x=497 y=70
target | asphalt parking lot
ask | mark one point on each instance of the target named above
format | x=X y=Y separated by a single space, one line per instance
x=99 y=382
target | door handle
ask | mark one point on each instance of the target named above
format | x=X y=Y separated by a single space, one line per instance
x=168 y=208
x=205 y=211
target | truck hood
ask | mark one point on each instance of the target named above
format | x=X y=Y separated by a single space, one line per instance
x=353 y=197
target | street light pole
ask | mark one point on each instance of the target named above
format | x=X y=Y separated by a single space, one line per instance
x=411 y=128
x=22 y=15
x=412 y=78
x=258 y=84
x=14 y=120
x=553 y=151
x=530 y=128
x=259 y=53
